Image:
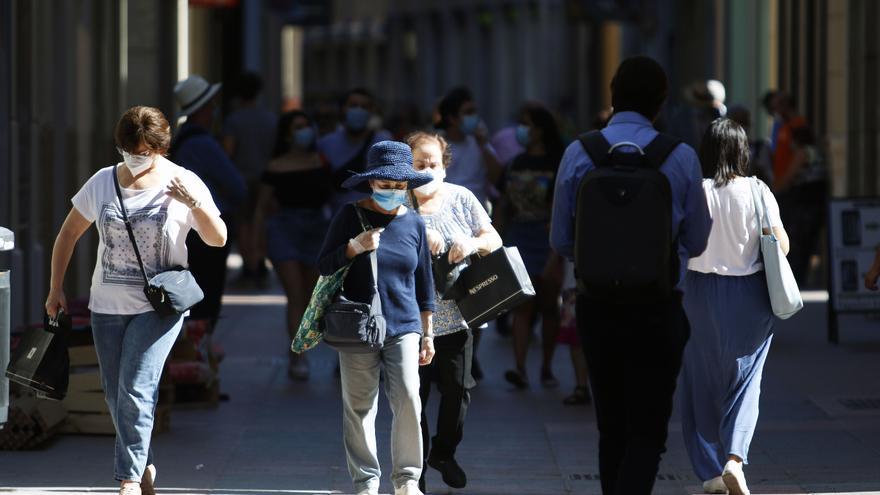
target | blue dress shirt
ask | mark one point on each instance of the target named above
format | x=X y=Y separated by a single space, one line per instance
x=204 y=156
x=690 y=213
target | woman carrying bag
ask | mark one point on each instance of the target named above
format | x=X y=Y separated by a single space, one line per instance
x=457 y=226
x=730 y=312
x=133 y=334
x=406 y=297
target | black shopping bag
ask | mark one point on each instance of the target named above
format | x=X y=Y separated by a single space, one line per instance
x=493 y=285
x=41 y=361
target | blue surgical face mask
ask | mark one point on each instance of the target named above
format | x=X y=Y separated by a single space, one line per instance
x=356 y=119
x=522 y=135
x=469 y=123
x=389 y=199
x=304 y=138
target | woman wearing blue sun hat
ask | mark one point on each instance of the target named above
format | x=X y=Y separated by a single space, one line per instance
x=406 y=291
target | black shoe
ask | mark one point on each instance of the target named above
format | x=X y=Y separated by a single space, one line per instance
x=422 y=483
x=453 y=474
x=517 y=379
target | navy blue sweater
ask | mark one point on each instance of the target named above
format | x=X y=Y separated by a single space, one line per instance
x=406 y=284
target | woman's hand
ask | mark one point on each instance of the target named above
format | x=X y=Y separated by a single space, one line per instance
x=461 y=249
x=54 y=301
x=435 y=241
x=365 y=242
x=426 y=354
x=178 y=190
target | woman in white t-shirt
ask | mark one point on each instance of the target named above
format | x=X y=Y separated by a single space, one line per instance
x=728 y=306
x=163 y=202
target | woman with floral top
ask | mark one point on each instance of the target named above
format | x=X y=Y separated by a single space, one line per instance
x=457 y=227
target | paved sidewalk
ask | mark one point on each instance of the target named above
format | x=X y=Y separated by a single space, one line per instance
x=275 y=436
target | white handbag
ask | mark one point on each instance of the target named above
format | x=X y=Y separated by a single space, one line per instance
x=785 y=297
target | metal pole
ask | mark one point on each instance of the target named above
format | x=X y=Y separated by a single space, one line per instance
x=7 y=242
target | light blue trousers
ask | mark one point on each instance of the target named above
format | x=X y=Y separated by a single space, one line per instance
x=131 y=351
x=720 y=381
x=360 y=400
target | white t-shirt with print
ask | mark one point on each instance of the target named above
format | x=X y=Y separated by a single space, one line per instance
x=734 y=241
x=160 y=225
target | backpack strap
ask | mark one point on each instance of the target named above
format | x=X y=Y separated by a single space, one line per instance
x=596 y=146
x=660 y=148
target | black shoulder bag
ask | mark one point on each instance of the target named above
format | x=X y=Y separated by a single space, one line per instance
x=170 y=292
x=350 y=326
x=445 y=273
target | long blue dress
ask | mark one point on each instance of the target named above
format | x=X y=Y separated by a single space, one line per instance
x=720 y=382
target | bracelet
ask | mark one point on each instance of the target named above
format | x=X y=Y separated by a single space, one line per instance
x=195 y=204
x=428 y=337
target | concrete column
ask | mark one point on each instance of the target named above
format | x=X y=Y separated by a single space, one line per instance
x=252 y=35
x=836 y=100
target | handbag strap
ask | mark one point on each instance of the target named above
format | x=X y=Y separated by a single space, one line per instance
x=376 y=305
x=760 y=204
x=137 y=253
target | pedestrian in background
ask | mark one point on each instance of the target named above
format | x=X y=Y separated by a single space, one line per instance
x=248 y=137
x=527 y=198
x=406 y=292
x=760 y=152
x=633 y=347
x=195 y=149
x=803 y=193
x=568 y=335
x=457 y=227
x=164 y=202
x=728 y=306
x=292 y=208
x=345 y=148
x=474 y=164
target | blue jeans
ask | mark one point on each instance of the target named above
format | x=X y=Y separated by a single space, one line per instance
x=360 y=401
x=131 y=351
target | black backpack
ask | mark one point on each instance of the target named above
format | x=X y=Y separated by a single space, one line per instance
x=623 y=249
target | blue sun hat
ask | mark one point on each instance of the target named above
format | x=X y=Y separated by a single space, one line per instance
x=388 y=160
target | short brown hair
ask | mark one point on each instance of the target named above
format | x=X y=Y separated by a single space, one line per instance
x=145 y=125
x=416 y=137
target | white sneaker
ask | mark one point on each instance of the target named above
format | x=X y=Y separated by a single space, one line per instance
x=411 y=487
x=715 y=485
x=735 y=479
x=130 y=489
x=369 y=491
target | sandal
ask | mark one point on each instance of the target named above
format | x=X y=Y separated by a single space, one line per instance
x=580 y=397
x=548 y=380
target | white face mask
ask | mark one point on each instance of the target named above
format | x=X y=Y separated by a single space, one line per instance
x=137 y=164
x=434 y=185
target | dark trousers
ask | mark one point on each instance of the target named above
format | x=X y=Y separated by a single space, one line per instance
x=634 y=355
x=803 y=209
x=451 y=371
x=208 y=266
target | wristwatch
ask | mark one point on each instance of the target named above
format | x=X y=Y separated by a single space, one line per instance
x=195 y=204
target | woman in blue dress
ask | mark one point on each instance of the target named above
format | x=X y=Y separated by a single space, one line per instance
x=728 y=306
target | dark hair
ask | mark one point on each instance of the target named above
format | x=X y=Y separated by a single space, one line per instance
x=249 y=86
x=413 y=139
x=357 y=92
x=724 y=152
x=145 y=125
x=285 y=124
x=544 y=120
x=639 y=85
x=452 y=103
x=767 y=100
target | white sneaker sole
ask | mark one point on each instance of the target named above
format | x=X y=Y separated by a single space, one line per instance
x=733 y=485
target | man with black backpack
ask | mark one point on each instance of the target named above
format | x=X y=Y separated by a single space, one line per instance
x=629 y=210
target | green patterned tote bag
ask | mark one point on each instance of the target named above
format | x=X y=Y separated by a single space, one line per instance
x=309 y=333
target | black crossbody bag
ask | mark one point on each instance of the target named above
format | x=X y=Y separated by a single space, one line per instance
x=356 y=327
x=171 y=292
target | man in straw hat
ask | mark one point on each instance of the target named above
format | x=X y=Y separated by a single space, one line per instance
x=196 y=149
